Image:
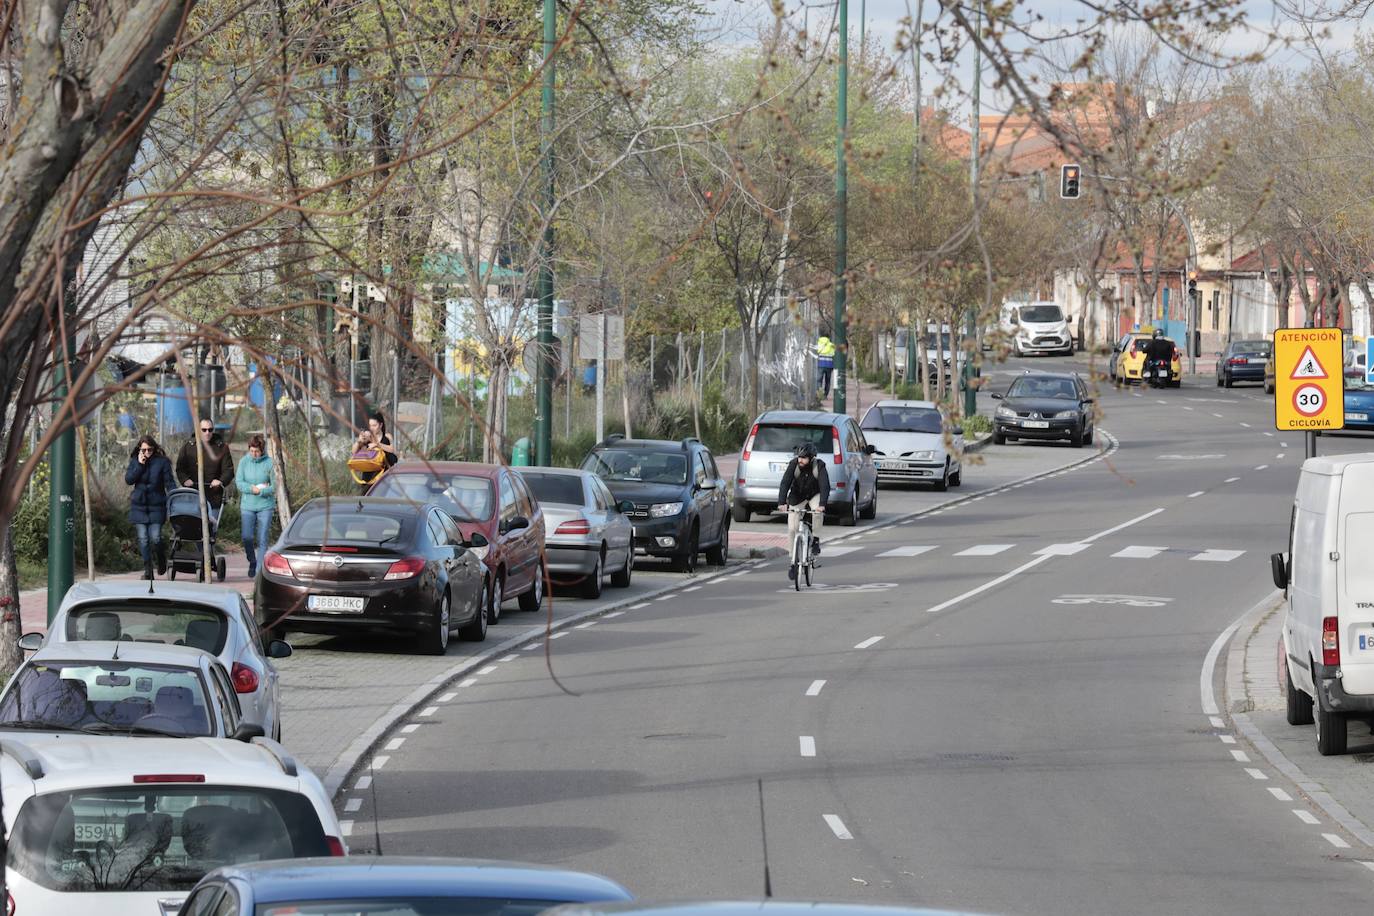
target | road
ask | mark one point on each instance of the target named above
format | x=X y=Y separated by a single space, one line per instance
x=995 y=707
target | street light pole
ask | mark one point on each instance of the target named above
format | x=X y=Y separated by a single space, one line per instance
x=841 y=211
x=971 y=315
x=543 y=419
x=61 y=493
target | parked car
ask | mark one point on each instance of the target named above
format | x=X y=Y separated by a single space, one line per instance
x=766 y=907
x=1326 y=668
x=362 y=563
x=590 y=534
x=1269 y=375
x=679 y=505
x=1128 y=359
x=127 y=826
x=839 y=442
x=210 y=617
x=376 y=885
x=489 y=500
x=909 y=442
x=123 y=688
x=1036 y=327
x=1045 y=406
x=1243 y=361
x=1359 y=402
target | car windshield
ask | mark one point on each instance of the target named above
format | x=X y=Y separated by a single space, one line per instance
x=140 y=620
x=403 y=905
x=903 y=420
x=640 y=465
x=563 y=489
x=467 y=498
x=1256 y=347
x=779 y=437
x=1029 y=387
x=1041 y=313
x=343 y=522
x=107 y=696
x=163 y=838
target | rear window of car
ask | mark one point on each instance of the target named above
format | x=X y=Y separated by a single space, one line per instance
x=1261 y=347
x=466 y=497
x=784 y=437
x=555 y=488
x=402 y=905
x=109 y=696
x=903 y=420
x=1143 y=343
x=157 y=838
x=147 y=621
x=343 y=524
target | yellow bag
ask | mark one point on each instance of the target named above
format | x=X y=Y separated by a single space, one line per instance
x=366 y=465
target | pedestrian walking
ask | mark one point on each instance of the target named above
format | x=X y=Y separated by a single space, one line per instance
x=150 y=474
x=218 y=463
x=825 y=364
x=258 y=500
x=373 y=453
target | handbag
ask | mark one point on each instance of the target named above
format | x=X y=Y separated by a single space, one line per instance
x=366 y=465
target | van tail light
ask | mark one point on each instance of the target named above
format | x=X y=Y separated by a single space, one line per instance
x=245 y=679
x=576 y=526
x=835 y=438
x=336 y=846
x=277 y=565
x=749 y=442
x=405 y=569
x=9 y=904
x=1331 y=643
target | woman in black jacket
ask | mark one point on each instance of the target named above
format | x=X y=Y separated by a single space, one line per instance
x=150 y=474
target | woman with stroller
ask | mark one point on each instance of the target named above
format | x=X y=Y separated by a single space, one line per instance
x=150 y=474
x=258 y=500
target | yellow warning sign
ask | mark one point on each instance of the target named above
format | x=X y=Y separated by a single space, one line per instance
x=1309 y=392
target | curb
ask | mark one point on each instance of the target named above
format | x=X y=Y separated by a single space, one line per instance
x=1239 y=705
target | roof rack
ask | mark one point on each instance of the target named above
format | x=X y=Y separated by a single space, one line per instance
x=26 y=756
x=688 y=440
x=613 y=437
x=285 y=760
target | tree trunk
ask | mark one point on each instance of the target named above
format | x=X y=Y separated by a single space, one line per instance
x=11 y=622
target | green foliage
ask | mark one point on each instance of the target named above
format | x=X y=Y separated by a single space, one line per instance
x=116 y=545
x=977 y=425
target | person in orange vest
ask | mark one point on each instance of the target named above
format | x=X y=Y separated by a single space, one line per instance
x=825 y=364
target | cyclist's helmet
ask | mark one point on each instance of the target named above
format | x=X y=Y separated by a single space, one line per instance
x=806 y=450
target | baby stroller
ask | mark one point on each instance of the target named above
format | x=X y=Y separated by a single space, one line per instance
x=183 y=511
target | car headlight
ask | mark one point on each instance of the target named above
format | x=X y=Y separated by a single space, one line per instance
x=663 y=510
x=1066 y=415
x=922 y=456
x=1005 y=412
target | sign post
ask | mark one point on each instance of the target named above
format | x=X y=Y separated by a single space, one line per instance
x=1309 y=390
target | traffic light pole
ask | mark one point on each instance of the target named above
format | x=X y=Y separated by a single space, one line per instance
x=543 y=411
x=841 y=212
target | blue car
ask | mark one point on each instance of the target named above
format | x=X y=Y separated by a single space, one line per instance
x=1359 y=402
x=1243 y=361
x=395 y=886
x=746 y=908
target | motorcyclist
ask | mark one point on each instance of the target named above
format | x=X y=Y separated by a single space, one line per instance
x=1158 y=355
x=805 y=483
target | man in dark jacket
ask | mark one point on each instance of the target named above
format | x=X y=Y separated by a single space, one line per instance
x=219 y=463
x=1159 y=353
x=805 y=483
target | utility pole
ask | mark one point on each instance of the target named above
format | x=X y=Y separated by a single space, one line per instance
x=61 y=491
x=543 y=410
x=841 y=211
x=971 y=316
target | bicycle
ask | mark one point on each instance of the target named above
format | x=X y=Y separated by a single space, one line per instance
x=802 y=557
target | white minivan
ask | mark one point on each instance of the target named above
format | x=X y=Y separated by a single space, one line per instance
x=1036 y=327
x=1328 y=631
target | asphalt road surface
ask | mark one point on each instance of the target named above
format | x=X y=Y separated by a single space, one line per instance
x=996 y=708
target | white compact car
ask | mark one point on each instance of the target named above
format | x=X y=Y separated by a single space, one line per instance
x=209 y=617
x=127 y=826
x=910 y=445
x=1327 y=668
x=1037 y=327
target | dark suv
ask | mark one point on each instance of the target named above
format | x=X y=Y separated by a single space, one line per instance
x=680 y=503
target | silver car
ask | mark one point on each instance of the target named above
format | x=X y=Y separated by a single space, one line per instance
x=910 y=440
x=839 y=443
x=588 y=535
x=209 y=617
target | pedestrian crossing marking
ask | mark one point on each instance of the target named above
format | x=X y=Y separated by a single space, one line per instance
x=985 y=550
x=1138 y=552
x=911 y=551
x=1061 y=550
x=1218 y=556
x=839 y=551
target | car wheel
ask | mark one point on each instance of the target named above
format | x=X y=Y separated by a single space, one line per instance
x=1076 y=438
x=276 y=731
x=998 y=438
x=591 y=586
x=621 y=578
x=1090 y=435
x=849 y=513
x=957 y=478
x=739 y=511
x=477 y=630
x=221 y=567
x=434 y=641
x=717 y=555
x=532 y=599
x=942 y=484
x=1229 y=380
x=1016 y=347
x=1218 y=380
x=1330 y=731
x=871 y=510
x=497 y=598
x=1299 y=704
x=686 y=561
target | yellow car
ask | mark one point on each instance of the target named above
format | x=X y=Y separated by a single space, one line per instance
x=1128 y=359
x=1269 y=375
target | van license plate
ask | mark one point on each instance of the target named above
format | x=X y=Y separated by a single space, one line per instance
x=335 y=604
x=776 y=467
x=1366 y=642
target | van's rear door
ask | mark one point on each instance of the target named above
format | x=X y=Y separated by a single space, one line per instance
x=1355 y=578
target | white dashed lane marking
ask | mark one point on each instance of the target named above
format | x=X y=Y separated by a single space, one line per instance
x=815 y=688
x=1255 y=774
x=1061 y=550
x=1232 y=479
x=1280 y=794
x=1261 y=467
x=871 y=641
x=362 y=783
x=1196 y=494
x=837 y=827
x=1336 y=841
x=428 y=711
x=909 y=551
x=1305 y=816
x=352 y=805
x=1138 y=552
x=1218 y=556
x=346 y=828
x=808 y=745
x=1241 y=756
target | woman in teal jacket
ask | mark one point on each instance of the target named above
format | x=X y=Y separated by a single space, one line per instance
x=259 y=501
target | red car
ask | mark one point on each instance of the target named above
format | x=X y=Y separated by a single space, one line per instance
x=488 y=499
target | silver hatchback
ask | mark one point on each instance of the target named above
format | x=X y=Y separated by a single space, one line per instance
x=839 y=443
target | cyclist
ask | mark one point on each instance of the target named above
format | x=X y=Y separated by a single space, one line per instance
x=805 y=483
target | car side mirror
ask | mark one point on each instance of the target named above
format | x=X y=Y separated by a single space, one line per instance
x=996 y=396
x=870 y=448
x=1278 y=567
x=707 y=484
x=1090 y=400
x=478 y=539
x=31 y=642
x=247 y=731
x=625 y=506
x=517 y=523
x=279 y=648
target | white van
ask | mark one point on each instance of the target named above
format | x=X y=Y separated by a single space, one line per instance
x=1328 y=631
x=1036 y=327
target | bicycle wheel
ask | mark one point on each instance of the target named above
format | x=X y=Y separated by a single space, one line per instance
x=799 y=560
x=807 y=567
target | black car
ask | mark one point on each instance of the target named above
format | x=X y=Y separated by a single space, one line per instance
x=1243 y=361
x=680 y=504
x=358 y=564
x=1045 y=406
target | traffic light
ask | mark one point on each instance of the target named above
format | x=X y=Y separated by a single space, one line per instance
x=1192 y=286
x=1068 y=181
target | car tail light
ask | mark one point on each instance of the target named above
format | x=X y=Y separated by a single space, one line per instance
x=336 y=846
x=154 y=778
x=277 y=564
x=334 y=548
x=245 y=679
x=1233 y=361
x=9 y=904
x=1331 y=643
x=405 y=569
x=835 y=438
x=749 y=443
x=576 y=526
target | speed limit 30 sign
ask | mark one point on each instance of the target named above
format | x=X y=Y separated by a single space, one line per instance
x=1308 y=387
